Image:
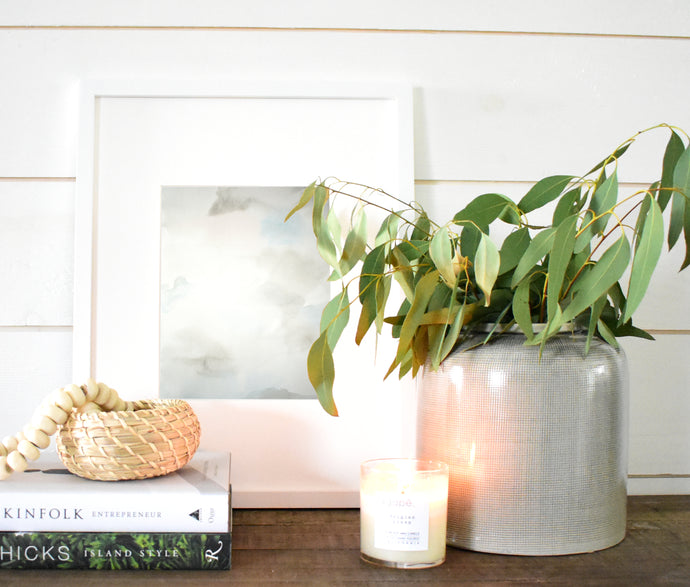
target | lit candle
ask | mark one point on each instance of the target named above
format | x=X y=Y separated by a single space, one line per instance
x=403 y=510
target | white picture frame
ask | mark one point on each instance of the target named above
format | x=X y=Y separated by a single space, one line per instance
x=138 y=135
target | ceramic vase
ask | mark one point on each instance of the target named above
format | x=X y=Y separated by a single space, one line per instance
x=536 y=443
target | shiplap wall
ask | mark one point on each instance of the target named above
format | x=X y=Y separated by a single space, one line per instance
x=504 y=93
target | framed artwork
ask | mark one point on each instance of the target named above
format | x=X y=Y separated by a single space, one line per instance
x=189 y=284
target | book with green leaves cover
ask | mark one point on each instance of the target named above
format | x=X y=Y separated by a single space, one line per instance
x=115 y=550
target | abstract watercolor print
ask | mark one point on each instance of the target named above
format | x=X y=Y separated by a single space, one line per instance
x=241 y=293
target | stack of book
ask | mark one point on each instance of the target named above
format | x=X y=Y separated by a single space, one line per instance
x=51 y=519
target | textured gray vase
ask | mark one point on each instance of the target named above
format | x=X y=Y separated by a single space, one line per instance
x=537 y=447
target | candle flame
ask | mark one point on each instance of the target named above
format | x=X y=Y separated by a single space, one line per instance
x=473 y=451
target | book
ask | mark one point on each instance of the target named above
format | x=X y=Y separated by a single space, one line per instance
x=115 y=551
x=48 y=498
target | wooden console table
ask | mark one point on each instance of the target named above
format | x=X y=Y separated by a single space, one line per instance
x=321 y=547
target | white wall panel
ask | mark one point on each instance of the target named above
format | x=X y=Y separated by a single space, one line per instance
x=659 y=405
x=627 y=17
x=512 y=107
x=34 y=361
x=495 y=109
x=36 y=253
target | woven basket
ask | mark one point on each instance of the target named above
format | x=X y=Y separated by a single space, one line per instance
x=157 y=437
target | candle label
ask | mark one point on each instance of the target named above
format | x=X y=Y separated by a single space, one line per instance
x=401 y=523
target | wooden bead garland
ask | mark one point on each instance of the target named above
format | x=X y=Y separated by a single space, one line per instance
x=16 y=451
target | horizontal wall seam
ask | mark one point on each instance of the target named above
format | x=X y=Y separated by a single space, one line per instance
x=661 y=476
x=34 y=179
x=176 y=28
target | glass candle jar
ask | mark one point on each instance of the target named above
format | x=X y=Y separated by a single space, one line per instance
x=403 y=509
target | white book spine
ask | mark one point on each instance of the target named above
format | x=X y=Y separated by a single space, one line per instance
x=108 y=512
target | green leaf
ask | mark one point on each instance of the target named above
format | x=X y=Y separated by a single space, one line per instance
x=521 y=307
x=425 y=289
x=617 y=154
x=486 y=264
x=355 y=244
x=422 y=228
x=321 y=371
x=646 y=256
x=326 y=246
x=383 y=289
x=681 y=183
x=559 y=258
x=569 y=203
x=674 y=149
x=371 y=273
x=403 y=271
x=598 y=215
x=541 y=244
x=603 y=200
x=483 y=210
x=597 y=309
x=441 y=253
x=544 y=191
x=388 y=230
x=514 y=246
x=320 y=199
x=606 y=334
x=451 y=337
x=335 y=317
x=599 y=279
x=469 y=240
x=306 y=197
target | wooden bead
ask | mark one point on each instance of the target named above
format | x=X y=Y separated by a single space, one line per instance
x=111 y=403
x=90 y=407
x=104 y=394
x=10 y=443
x=29 y=450
x=5 y=469
x=120 y=405
x=62 y=399
x=44 y=423
x=55 y=413
x=77 y=394
x=37 y=437
x=17 y=461
x=91 y=390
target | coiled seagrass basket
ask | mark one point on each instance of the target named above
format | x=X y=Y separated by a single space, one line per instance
x=155 y=437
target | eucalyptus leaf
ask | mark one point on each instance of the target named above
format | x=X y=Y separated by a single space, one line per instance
x=674 y=149
x=305 y=198
x=599 y=279
x=539 y=246
x=521 y=308
x=613 y=157
x=559 y=259
x=321 y=372
x=569 y=203
x=487 y=262
x=646 y=257
x=372 y=272
x=424 y=291
x=544 y=191
x=335 y=316
x=441 y=253
x=681 y=193
x=355 y=244
x=514 y=246
x=483 y=210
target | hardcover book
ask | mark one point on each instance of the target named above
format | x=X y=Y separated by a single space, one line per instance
x=115 y=551
x=48 y=498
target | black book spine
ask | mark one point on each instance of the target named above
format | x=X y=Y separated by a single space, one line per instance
x=115 y=550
